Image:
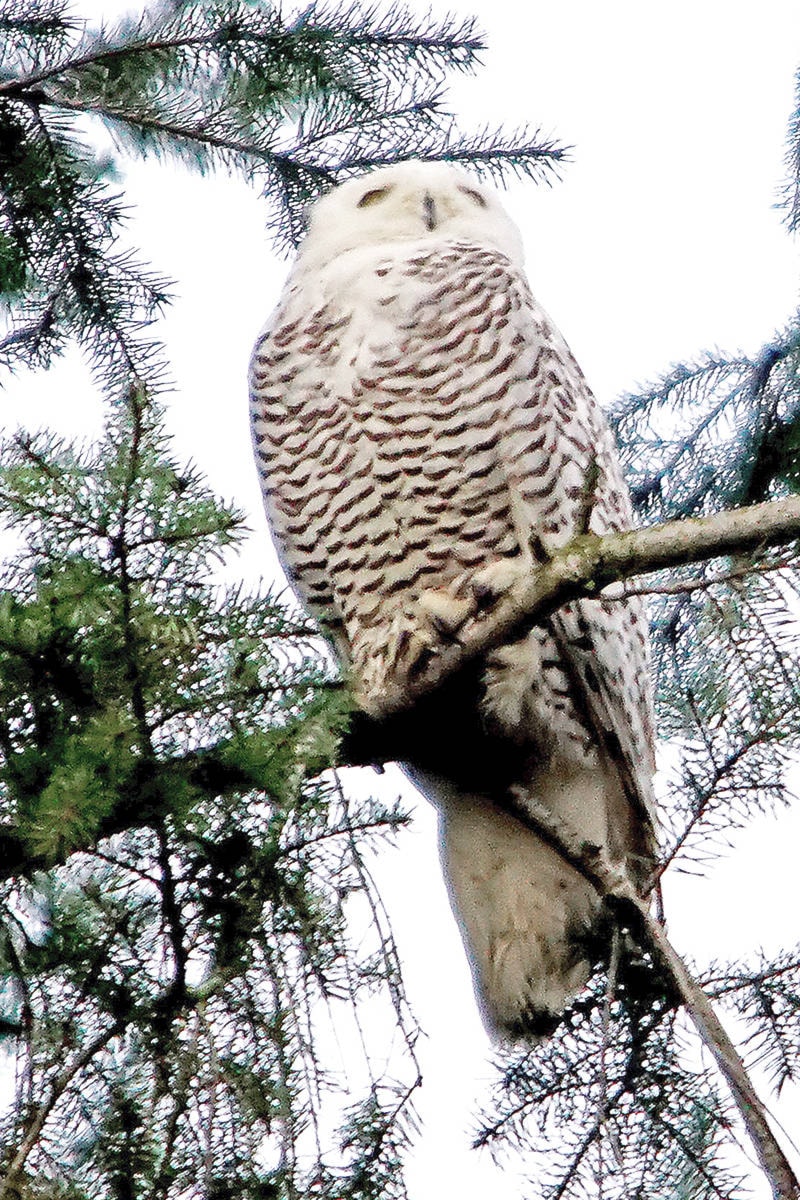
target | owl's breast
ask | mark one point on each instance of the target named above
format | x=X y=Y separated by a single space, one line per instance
x=382 y=417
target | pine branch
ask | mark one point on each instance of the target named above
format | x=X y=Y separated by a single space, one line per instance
x=292 y=105
x=39 y=1117
x=613 y=885
x=791 y=199
x=735 y=417
x=582 y=569
x=395 y=38
x=34 y=29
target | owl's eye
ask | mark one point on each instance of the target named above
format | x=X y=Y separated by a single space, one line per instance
x=372 y=197
x=476 y=197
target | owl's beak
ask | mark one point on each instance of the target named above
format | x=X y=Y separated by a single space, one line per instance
x=429 y=209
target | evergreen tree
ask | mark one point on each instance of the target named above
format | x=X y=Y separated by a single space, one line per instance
x=165 y=985
x=190 y=931
x=192 y=947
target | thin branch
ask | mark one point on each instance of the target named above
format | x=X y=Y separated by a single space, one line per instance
x=20 y=89
x=60 y=1085
x=704 y=798
x=582 y=569
x=136 y=403
x=723 y=985
x=344 y=828
x=688 y=586
x=692 y=1157
x=613 y=885
x=603 y=1109
x=594 y=1134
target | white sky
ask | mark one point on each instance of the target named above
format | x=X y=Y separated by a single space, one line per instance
x=661 y=241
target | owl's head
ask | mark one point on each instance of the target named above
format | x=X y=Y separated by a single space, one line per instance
x=409 y=201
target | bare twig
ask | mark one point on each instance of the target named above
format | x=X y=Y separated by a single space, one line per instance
x=688 y=586
x=603 y=1110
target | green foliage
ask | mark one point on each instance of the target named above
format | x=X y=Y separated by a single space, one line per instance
x=766 y=996
x=610 y=1098
x=718 y=434
x=289 y=103
x=791 y=197
x=163 y=985
x=621 y=1094
x=737 y=416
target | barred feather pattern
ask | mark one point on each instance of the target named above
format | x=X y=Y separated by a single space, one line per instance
x=418 y=420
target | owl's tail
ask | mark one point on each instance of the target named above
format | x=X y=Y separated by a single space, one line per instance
x=525 y=915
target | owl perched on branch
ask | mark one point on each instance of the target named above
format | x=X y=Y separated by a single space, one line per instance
x=423 y=435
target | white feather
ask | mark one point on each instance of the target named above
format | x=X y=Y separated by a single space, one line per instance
x=419 y=423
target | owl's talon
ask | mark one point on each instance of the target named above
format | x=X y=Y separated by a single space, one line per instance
x=445 y=611
x=496 y=579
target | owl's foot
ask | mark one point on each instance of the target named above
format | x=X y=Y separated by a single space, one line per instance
x=437 y=618
x=416 y=635
x=447 y=610
x=490 y=583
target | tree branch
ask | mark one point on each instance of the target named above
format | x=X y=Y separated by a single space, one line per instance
x=613 y=885
x=40 y=1116
x=583 y=569
x=587 y=565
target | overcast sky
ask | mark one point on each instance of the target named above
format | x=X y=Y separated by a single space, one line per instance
x=661 y=241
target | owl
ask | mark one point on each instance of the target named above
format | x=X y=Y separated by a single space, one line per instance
x=424 y=437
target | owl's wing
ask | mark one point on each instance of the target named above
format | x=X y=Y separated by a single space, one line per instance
x=570 y=484
x=605 y=642
x=610 y=672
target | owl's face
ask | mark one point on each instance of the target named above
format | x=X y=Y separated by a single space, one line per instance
x=410 y=201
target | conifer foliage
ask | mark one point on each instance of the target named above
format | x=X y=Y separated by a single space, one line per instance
x=290 y=103
x=190 y=931
x=160 y=983
x=199 y=992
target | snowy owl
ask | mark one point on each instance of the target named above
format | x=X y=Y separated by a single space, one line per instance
x=423 y=435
